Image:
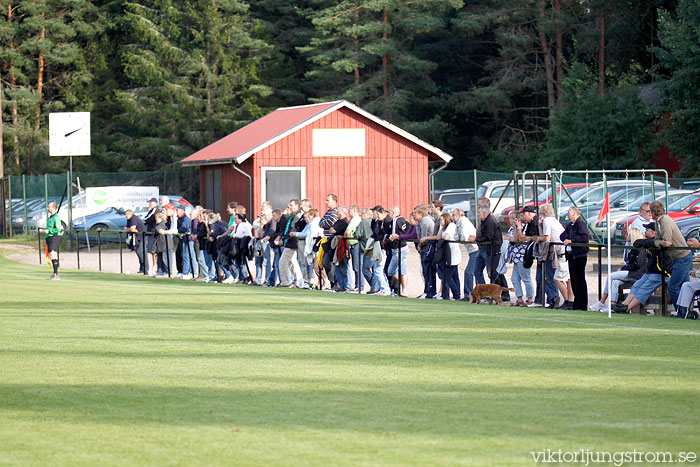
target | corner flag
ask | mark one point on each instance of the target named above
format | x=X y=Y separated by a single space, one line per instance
x=605 y=209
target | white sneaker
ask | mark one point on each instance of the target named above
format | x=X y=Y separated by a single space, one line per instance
x=177 y=276
x=597 y=306
x=188 y=277
x=423 y=296
x=152 y=272
x=535 y=305
x=228 y=280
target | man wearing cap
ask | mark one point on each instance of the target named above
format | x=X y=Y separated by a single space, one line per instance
x=186 y=245
x=651 y=280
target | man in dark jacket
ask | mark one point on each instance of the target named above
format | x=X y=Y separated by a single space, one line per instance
x=399 y=249
x=186 y=246
x=577 y=256
x=150 y=221
x=491 y=232
x=136 y=227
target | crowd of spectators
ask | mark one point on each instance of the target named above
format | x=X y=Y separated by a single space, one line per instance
x=353 y=249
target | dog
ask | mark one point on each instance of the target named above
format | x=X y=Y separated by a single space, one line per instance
x=488 y=291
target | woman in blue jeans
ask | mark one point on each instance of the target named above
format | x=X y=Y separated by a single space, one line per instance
x=516 y=255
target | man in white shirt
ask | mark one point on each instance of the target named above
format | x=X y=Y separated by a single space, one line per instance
x=465 y=230
x=551 y=231
x=643 y=218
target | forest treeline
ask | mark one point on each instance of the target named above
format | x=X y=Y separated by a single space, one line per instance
x=499 y=84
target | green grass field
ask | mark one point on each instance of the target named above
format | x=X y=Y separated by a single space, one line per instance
x=102 y=369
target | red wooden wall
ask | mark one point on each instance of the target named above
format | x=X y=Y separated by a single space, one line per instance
x=394 y=171
x=234 y=186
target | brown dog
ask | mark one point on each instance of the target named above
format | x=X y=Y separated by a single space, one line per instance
x=488 y=291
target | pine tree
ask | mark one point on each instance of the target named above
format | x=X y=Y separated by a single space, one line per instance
x=46 y=57
x=679 y=56
x=189 y=72
x=368 y=52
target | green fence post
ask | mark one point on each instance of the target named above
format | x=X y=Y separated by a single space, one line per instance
x=24 y=197
x=69 y=191
x=9 y=197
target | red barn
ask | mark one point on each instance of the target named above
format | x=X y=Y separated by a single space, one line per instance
x=312 y=150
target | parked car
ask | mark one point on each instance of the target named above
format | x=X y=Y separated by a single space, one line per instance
x=462 y=198
x=595 y=193
x=617 y=201
x=685 y=207
x=631 y=210
x=690 y=228
x=35 y=207
x=544 y=198
x=505 y=191
x=107 y=220
x=691 y=185
x=178 y=200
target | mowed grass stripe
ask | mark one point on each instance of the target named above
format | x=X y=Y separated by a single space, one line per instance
x=207 y=374
x=194 y=290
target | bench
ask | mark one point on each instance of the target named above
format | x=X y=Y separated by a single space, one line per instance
x=654 y=299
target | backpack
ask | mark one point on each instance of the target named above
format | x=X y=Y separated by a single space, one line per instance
x=234 y=248
x=663 y=264
x=529 y=258
x=443 y=254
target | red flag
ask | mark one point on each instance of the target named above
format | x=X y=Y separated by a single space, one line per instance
x=605 y=209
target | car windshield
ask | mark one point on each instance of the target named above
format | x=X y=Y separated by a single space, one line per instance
x=452 y=198
x=683 y=203
x=622 y=198
x=585 y=195
x=545 y=195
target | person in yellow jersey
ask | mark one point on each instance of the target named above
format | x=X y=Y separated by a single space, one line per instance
x=53 y=230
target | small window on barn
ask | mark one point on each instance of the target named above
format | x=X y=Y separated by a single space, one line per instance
x=339 y=142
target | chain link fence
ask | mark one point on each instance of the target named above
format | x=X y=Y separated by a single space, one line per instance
x=26 y=197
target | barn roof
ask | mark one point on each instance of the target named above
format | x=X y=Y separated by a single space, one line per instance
x=257 y=135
